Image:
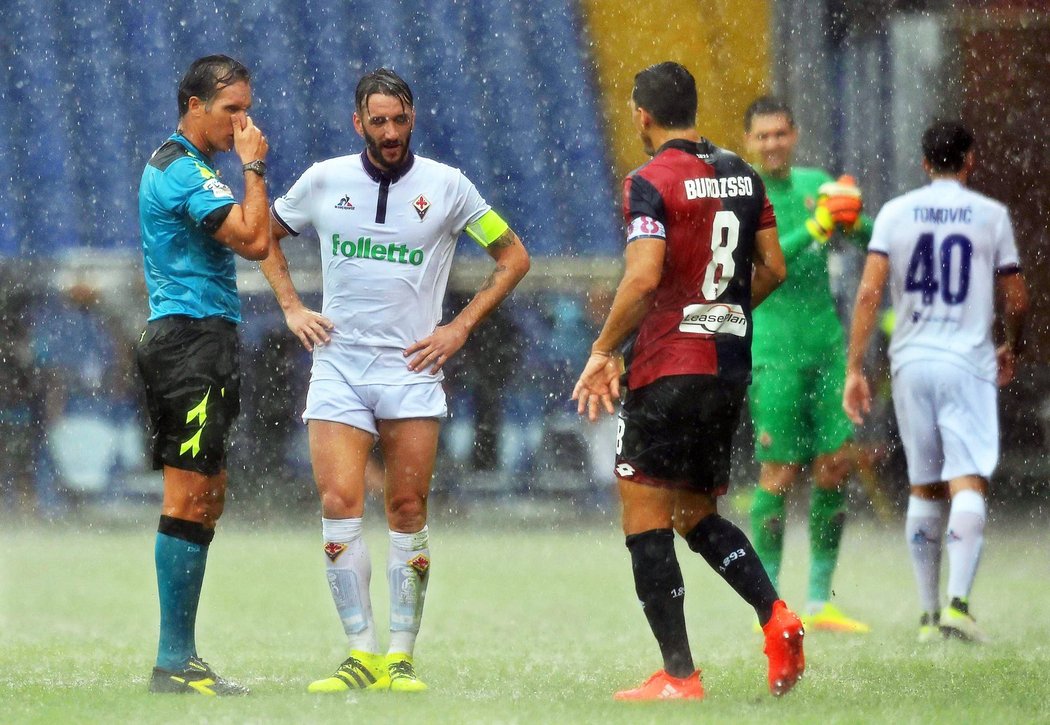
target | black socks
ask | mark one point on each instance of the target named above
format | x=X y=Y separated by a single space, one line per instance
x=729 y=552
x=658 y=583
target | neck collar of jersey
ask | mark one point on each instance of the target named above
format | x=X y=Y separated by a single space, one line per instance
x=379 y=175
x=177 y=136
x=698 y=148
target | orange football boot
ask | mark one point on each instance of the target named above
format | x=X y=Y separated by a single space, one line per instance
x=787 y=662
x=662 y=686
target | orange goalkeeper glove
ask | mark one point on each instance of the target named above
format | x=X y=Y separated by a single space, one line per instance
x=843 y=201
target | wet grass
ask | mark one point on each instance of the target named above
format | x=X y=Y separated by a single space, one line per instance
x=523 y=624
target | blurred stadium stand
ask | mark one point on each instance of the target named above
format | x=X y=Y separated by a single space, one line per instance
x=528 y=99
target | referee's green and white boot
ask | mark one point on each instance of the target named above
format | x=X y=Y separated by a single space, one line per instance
x=957 y=622
x=402 y=673
x=359 y=671
x=929 y=629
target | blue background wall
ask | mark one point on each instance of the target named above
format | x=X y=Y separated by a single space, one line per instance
x=503 y=91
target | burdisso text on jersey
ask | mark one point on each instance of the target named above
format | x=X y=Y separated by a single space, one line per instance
x=364 y=249
x=704 y=188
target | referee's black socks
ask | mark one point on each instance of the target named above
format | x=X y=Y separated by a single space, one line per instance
x=728 y=551
x=658 y=583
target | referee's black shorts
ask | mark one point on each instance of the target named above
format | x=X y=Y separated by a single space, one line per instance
x=191 y=369
x=677 y=432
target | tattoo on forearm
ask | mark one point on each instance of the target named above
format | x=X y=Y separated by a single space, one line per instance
x=490 y=281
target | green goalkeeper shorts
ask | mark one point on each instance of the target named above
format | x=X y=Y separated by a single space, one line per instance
x=798 y=411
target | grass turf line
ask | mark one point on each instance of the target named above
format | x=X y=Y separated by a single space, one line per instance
x=521 y=625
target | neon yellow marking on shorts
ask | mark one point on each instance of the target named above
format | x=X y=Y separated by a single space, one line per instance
x=200 y=411
x=487 y=229
x=193 y=444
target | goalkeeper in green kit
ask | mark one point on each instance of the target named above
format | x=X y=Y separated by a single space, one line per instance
x=799 y=359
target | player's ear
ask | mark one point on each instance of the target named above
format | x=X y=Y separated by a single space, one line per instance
x=358 y=126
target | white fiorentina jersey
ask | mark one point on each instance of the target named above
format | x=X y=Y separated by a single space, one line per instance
x=945 y=244
x=386 y=244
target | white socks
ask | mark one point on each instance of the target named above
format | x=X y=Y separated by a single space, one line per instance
x=965 y=541
x=924 y=531
x=408 y=570
x=349 y=569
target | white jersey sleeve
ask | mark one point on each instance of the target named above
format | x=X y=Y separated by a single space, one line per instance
x=1006 y=257
x=294 y=210
x=468 y=207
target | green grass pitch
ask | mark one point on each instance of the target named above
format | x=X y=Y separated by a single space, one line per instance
x=524 y=624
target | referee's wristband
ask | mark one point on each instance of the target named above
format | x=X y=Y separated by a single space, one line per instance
x=258 y=166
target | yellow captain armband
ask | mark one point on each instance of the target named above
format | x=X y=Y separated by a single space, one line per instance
x=488 y=228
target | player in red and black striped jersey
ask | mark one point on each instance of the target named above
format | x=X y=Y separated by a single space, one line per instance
x=702 y=250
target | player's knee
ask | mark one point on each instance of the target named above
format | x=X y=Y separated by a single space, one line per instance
x=208 y=507
x=407 y=512
x=341 y=503
x=833 y=474
x=832 y=471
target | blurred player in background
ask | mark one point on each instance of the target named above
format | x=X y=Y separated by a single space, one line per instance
x=800 y=360
x=192 y=227
x=701 y=252
x=946 y=251
x=388 y=222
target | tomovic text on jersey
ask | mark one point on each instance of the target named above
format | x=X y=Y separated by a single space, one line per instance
x=726 y=186
x=712 y=318
x=364 y=249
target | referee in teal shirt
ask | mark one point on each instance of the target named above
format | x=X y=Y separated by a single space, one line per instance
x=188 y=354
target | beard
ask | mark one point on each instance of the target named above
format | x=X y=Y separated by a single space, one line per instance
x=376 y=151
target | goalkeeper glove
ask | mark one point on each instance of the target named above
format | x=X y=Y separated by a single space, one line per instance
x=821 y=224
x=843 y=201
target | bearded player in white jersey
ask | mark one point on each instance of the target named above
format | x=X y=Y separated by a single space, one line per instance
x=388 y=221
x=947 y=251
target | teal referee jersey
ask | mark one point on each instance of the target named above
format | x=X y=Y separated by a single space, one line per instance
x=182 y=203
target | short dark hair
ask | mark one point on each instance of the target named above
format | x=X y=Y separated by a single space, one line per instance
x=945 y=144
x=384 y=81
x=768 y=106
x=668 y=92
x=207 y=76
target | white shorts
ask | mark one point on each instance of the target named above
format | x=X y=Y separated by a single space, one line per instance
x=948 y=420
x=362 y=405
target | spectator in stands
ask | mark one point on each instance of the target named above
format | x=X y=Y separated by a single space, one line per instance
x=18 y=399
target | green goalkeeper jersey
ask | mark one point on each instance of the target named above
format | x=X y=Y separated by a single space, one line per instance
x=797 y=325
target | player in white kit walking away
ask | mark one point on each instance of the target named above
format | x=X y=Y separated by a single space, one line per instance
x=946 y=251
x=388 y=222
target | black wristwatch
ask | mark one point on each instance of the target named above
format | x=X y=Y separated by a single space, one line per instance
x=258 y=166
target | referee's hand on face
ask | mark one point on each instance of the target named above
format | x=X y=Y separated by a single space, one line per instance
x=248 y=139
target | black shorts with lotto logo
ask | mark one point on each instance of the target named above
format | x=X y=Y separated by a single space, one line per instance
x=191 y=369
x=677 y=432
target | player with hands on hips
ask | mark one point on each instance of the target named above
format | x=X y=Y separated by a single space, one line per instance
x=388 y=221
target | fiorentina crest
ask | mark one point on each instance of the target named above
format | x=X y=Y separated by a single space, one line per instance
x=332 y=550
x=421 y=205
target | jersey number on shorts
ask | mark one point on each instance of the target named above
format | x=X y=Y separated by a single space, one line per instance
x=725 y=233
x=951 y=277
